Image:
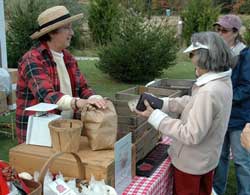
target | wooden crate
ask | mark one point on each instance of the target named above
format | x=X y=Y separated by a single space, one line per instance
x=134 y=92
x=133 y=164
x=131 y=120
x=137 y=131
x=185 y=85
x=127 y=121
x=122 y=109
x=31 y=158
x=146 y=143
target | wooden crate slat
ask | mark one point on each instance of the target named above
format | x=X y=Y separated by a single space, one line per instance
x=146 y=143
x=131 y=120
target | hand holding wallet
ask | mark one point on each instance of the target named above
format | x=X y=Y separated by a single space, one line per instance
x=154 y=102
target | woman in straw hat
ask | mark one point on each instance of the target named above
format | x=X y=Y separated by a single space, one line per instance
x=228 y=27
x=198 y=134
x=49 y=73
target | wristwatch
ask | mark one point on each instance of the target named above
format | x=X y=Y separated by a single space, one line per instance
x=76 y=99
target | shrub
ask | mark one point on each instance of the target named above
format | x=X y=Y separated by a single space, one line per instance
x=21 y=18
x=198 y=15
x=227 y=6
x=142 y=6
x=245 y=7
x=246 y=35
x=102 y=20
x=177 y=5
x=139 y=51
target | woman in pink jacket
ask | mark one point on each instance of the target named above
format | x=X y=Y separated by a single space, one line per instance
x=199 y=132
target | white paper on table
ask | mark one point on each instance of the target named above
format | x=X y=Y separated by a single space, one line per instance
x=38 y=132
x=42 y=107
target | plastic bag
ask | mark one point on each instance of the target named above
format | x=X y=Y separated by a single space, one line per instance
x=13 y=190
x=98 y=188
x=5 y=81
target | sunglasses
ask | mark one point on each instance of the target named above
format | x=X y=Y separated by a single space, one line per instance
x=222 y=30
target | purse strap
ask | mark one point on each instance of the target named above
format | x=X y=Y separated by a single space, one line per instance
x=49 y=162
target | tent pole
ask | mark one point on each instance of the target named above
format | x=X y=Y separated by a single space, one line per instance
x=3 y=50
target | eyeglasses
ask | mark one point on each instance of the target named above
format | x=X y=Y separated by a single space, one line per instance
x=191 y=55
x=222 y=30
x=66 y=28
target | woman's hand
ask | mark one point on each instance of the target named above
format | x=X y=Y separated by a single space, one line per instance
x=99 y=102
x=245 y=137
x=148 y=110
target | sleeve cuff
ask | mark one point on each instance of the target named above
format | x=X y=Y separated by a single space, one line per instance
x=165 y=104
x=95 y=96
x=156 y=117
x=64 y=103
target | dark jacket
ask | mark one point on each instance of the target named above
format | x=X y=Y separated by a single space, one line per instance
x=240 y=113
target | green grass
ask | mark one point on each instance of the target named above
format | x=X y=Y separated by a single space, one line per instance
x=183 y=70
x=100 y=82
x=5 y=144
x=90 y=52
x=7 y=124
x=106 y=86
x=231 y=185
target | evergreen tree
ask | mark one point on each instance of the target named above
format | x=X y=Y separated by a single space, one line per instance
x=198 y=15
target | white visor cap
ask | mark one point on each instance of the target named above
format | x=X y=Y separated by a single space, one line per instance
x=195 y=46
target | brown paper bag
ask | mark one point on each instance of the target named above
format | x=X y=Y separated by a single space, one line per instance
x=100 y=126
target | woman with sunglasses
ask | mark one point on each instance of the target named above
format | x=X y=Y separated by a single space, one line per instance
x=199 y=132
x=228 y=27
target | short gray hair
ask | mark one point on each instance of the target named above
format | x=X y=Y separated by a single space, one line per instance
x=218 y=57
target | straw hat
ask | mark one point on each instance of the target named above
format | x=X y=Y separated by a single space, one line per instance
x=53 y=18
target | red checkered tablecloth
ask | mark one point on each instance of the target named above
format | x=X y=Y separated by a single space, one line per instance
x=160 y=183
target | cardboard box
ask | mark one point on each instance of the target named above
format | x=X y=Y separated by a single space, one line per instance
x=31 y=158
x=13 y=74
x=3 y=102
x=11 y=99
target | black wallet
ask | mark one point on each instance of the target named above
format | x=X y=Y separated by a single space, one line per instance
x=154 y=102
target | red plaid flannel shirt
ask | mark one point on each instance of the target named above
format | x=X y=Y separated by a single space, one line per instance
x=38 y=81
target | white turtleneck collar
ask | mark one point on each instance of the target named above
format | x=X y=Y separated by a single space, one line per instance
x=209 y=76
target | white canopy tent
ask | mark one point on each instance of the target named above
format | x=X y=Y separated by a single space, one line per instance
x=3 y=50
